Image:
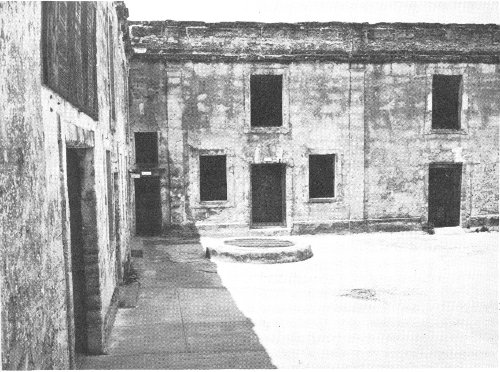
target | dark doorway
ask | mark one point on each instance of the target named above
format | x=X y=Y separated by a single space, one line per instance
x=118 y=251
x=74 y=183
x=268 y=194
x=444 y=194
x=147 y=206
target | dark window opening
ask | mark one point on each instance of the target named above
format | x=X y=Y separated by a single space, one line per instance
x=111 y=71
x=321 y=176
x=446 y=101
x=109 y=198
x=213 y=183
x=69 y=52
x=266 y=100
x=146 y=148
x=148 y=217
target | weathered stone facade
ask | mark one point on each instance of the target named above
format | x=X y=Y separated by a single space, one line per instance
x=39 y=129
x=362 y=92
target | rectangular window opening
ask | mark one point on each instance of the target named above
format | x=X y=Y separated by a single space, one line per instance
x=146 y=148
x=266 y=100
x=321 y=176
x=109 y=199
x=213 y=178
x=69 y=52
x=446 y=102
x=111 y=71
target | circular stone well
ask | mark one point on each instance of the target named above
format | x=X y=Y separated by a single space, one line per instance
x=259 y=250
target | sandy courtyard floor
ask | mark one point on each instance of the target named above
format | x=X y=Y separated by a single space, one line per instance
x=429 y=301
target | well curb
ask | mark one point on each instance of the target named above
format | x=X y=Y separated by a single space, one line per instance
x=264 y=255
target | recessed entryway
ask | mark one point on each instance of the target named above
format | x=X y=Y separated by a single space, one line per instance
x=268 y=194
x=147 y=206
x=444 y=194
x=74 y=182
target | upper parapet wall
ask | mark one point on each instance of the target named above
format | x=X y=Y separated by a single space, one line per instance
x=343 y=42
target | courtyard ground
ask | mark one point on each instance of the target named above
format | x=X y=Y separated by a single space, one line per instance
x=434 y=301
x=367 y=300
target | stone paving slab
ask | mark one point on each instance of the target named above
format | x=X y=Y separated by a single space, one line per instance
x=231 y=336
x=186 y=277
x=208 y=305
x=219 y=360
x=184 y=318
x=144 y=314
x=156 y=297
x=154 y=305
x=129 y=294
x=149 y=338
x=198 y=273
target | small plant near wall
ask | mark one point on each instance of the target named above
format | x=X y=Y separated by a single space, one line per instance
x=482 y=229
x=428 y=228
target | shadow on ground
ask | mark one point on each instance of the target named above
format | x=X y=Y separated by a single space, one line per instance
x=184 y=318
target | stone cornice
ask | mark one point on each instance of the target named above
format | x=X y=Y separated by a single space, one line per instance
x=342 y=42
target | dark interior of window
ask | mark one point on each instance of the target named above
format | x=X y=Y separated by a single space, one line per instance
x=111 y=69
x=266 y=100
x=446 y=101
x=146 y=148
x=109 y=199
x=321 y=176
x=69 y=52
x=213 y=183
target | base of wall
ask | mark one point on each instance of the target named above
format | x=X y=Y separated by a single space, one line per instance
x=487 y=220
x=109 y=319
x=189 y=230
x=357 y=226
x=315 y=227
x=239 y=229
x=298 y=228
x=99 y=329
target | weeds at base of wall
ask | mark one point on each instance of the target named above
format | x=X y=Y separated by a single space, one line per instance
x=428 y=228
x=130 y=275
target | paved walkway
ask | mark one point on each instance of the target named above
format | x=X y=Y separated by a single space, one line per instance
x=184 y=318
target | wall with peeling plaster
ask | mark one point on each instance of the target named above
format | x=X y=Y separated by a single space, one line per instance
x=34 y=329
x=401 y=143
x=36 y=128
x=362 y=92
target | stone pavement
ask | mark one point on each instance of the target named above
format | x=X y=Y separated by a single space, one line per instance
x=184 y=318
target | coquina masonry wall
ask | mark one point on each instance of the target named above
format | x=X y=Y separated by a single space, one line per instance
x=34 y=327
x=401 y=144
x=362 y=92
x=36 y=128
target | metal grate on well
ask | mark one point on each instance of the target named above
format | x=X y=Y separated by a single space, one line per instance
x=259 y=243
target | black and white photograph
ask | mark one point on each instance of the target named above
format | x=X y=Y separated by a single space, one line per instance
x=267 y=184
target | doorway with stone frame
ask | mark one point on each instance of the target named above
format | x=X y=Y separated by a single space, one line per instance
x=444 y=194
x=268 y=201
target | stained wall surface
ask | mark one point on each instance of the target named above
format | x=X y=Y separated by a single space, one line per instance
x=402 y=144
x=362 y=92
x=36 y=128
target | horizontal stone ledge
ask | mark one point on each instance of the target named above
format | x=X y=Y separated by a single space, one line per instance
x=375 y=58
x=357 y=226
